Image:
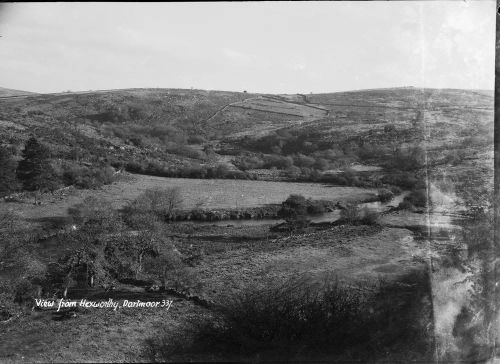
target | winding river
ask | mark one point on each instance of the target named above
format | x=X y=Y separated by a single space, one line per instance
x=377 y=206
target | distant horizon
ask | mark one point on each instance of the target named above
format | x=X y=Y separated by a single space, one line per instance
x=250 y=92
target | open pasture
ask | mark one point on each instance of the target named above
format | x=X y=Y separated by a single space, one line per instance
x=196 y=193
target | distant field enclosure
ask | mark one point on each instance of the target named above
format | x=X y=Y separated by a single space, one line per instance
x=224 y=193
x=196 y=193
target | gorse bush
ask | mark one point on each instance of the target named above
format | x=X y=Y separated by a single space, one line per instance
x=413 y=158
x=296 y=208
x=417 y=198
x=405 y=205
x=353 y=214
x=88 y=177
x=193 y=170
x=385 y=195
x=406 y=180
x=248 y=162
x=369 y=216
x=298 y=319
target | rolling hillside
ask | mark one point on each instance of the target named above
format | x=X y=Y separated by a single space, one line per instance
x=177 y=126
x=8 y=92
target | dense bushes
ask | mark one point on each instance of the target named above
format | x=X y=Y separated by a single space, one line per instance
x=157 y=168
x=297 y=205
x=186 y=151
x=95 y=215
x=369 y=216
x=104 y=252
x=196 y=139
x=295 y=320
x=385 y=195
x=417 y=198
x=88 y=177
x=277 y=161
x=406 y=180
x=349 y=177
x=153 y=204
x=411 y=159
x=296 y=208
x=38 y=172
x=350 y=214
x=353 y=214
x=8 y=182
x=23 y=267
x=248 y=162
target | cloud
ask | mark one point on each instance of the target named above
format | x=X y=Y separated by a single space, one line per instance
x=238 y=57
x=269 y=47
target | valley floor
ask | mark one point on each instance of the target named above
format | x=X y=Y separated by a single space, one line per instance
x=196 y=193
x=234 y=259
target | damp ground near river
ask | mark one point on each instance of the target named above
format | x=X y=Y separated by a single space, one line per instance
x=332 y=216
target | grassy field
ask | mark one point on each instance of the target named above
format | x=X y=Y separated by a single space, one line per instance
x=205 y=194
x=354 y=255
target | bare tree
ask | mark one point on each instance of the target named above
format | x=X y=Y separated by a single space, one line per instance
x=159 y=202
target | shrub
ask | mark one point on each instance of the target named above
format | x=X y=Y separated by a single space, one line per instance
x=8 y=182
x=296 y=208
x=96 y=215
x=248 y=162
x=395 y=190
x=169 y=267
x=278 y=161
x=301 y=160
x=236 y=175
x=385 y=195
x=196 y=139
x=315 y=207
x=23 y=292
x=321 y=164
x=85 y=177
x=186 y=151
x=158 y=202
x=411 y=159
x=278 y=319
x=405 y=180
x=293 y=206
x=293 y=172
x=417 y=198
x=351 y=214
x=137 y=219
x=405 y=205
x=298 y=205
x=297 y=319
x=369 y=216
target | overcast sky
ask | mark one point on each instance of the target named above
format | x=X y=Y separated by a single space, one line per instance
x=262 y=47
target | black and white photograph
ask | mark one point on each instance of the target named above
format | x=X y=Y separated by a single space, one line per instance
x=303 y=182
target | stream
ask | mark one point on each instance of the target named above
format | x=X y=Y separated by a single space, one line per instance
x=377 y=206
